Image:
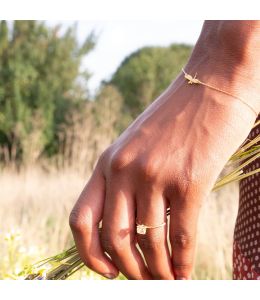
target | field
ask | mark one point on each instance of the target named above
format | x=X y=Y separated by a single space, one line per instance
x=35 y=206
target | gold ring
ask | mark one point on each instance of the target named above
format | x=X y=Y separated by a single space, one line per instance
x=141 y=228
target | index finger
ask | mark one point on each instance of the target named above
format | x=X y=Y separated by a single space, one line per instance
x=84 y=222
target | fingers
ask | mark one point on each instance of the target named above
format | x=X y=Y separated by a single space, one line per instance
x=151 y=211
x=183 y=229
x=84 y=221
x=118 y=232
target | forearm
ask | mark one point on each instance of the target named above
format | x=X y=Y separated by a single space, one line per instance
x=227 y=55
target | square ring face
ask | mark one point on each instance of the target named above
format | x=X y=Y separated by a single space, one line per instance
x=141 y=229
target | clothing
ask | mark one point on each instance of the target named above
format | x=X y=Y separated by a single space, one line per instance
x=246 y=247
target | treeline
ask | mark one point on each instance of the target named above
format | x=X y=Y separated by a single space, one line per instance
x=46 y=114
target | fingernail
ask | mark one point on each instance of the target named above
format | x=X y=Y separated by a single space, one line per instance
x=181 y=278
x=110 y=275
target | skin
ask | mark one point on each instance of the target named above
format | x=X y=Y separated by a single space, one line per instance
x=170 y=156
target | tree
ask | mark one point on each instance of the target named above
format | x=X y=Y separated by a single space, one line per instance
x=146 y=73
x=39 y=85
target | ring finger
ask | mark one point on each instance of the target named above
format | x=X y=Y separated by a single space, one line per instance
x=151 y=211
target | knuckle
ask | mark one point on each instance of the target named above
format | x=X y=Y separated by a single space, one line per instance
x=151 y=242
x=186 y=180
x=182 y=240
x=148 y=169
x=74 y=220
x=79 y=222
x=182 y=267
x=111 y=244
x=189 y=186
x=119 y=161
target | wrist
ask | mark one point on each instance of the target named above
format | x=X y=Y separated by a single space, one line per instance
x=232 y=64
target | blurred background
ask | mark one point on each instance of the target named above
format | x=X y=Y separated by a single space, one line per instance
x=67 y=90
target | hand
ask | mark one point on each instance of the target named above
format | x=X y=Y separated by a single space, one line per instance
x=171 y=157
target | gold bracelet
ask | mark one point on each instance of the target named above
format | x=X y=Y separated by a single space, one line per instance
x=195 y=80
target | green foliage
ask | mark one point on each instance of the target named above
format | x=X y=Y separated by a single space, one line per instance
x=39 y=85
x=108 y=108
x=44 y=110
x=145 y=74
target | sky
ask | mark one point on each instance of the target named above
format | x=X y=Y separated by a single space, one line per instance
x=118 y=39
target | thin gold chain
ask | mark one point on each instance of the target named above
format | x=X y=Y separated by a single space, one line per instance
x=195 y=80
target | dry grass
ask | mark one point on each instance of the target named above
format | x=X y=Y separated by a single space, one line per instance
x=38 y=204
x=217 y=221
